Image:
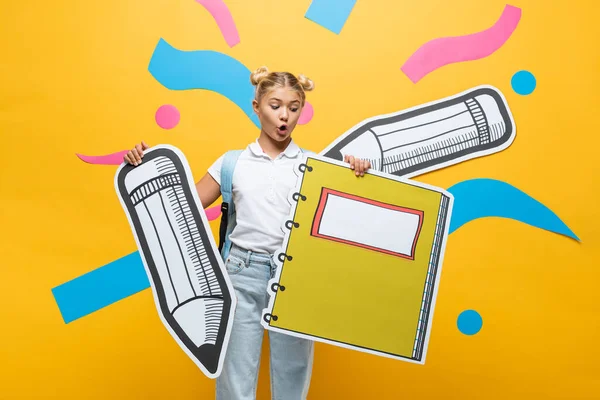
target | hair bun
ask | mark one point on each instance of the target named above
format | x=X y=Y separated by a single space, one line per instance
x=259 y=75
x=306 y=83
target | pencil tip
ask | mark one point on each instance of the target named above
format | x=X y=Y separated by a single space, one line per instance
x=208 y=355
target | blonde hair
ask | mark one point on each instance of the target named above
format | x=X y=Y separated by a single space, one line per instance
x=266 y=81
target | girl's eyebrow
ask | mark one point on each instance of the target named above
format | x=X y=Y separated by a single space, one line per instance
x=275 y=98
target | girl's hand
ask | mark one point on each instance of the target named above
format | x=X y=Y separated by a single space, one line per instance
x=359 y=166
x=135 y=155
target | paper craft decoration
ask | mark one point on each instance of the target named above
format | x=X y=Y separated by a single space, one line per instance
x=192 y=291
x=331 y=15
x=448 y=50
x=222 y=16
x=108 y=159
x=361 y=261
x=434 y=135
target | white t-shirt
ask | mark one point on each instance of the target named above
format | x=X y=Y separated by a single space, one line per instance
x=260 y=190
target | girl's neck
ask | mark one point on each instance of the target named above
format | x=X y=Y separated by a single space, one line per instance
x=272 y=147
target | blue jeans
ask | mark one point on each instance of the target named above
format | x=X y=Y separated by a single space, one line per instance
x=291 y=358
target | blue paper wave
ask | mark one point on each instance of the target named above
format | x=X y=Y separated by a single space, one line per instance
x=473 y=199
x=203 y=69
x=479 y=198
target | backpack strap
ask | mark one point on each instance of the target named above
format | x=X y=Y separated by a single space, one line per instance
x=308 y=152
x=227 y=208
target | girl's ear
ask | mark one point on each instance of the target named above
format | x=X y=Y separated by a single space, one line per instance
x=255 y=106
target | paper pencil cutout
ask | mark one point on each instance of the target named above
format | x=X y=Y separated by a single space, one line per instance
x=380 y=243
x=470 y=124
x=192 y=291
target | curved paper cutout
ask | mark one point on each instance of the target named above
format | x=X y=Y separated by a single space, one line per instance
x=192 y=290
x=479 y=198
x=203 y=69
x=448 y=50
x=210 y=70
x=108 y=159
x=222 y=16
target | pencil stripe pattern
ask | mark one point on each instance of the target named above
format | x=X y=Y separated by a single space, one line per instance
x=431 y=136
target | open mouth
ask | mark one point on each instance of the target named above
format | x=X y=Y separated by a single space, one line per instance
x=282 y=129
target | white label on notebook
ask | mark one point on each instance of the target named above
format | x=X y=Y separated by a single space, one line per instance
x=356 y=221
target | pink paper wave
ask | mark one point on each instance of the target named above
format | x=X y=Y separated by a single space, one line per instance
x=108 y=159
x=448 y=50
x=222 y=16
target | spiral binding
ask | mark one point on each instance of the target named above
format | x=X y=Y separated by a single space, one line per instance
x=282 y=257
x=270 y=317
x=306 y=167
x=289 y=224
x=276 y=286
x=298 y=195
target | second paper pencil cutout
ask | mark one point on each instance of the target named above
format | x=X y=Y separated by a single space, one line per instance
x=192 y=291
x=361 y=260
x=431 y=136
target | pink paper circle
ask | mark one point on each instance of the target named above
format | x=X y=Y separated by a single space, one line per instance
x=167 y=116
x=213 y=213
x=307 y=114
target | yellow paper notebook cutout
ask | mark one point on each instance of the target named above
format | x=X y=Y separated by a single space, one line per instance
x=360 y=260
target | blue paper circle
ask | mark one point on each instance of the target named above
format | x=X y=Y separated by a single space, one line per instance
x=469 y=322
x=523 y=82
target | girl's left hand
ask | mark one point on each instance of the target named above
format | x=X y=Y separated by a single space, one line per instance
x=359 y=166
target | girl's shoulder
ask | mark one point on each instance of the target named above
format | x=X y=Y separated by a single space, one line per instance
x=306 y=151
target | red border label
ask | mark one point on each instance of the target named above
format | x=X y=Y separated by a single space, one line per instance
x=321 y=208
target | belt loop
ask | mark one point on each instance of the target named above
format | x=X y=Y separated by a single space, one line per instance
x=248 y=254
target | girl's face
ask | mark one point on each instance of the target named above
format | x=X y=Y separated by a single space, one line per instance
x=278 y=112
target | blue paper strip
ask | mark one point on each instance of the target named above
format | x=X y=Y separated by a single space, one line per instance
x=204 y=69
x=101 y=287
x=479 y=198
x=473 y=199
x=330 y=14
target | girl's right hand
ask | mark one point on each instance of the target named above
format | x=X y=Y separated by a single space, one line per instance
x=135 y=155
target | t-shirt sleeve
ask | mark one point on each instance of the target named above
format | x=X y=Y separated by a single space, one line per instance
x=215 y=169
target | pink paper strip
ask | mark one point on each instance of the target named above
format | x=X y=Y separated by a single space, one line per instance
x=443 y=51
x=222 y=16
x=109 y=159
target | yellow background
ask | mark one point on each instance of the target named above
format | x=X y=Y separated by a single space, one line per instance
x=74 y=78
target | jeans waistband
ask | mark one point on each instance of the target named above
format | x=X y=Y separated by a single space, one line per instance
x=250 y=256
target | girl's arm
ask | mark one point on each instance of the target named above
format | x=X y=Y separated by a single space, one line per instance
x=208 y=190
